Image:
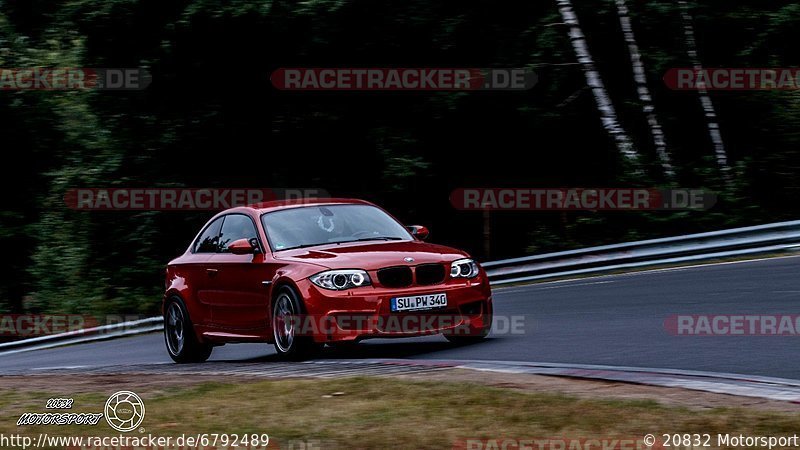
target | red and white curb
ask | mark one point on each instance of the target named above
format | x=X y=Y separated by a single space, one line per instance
x=781 y=389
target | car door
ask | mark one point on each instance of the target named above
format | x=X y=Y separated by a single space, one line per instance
x=240 y=301
x=200 y=274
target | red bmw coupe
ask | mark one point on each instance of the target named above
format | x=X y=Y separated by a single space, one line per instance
x=303 y=274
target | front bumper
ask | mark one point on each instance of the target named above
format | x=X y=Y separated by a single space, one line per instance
x=362 y=313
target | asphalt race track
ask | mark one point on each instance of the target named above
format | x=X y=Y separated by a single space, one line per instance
x=613 y=320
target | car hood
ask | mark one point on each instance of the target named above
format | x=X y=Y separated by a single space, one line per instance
x=372 y=255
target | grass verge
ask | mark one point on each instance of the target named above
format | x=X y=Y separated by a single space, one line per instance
x=390 y=413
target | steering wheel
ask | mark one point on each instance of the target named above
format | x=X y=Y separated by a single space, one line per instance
x=363 y=234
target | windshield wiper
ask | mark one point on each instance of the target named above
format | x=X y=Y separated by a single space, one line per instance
x=301 y=246
x=377 y=238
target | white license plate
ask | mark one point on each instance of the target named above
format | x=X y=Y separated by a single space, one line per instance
x=419 y=302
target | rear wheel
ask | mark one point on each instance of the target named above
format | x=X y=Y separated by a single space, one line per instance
x=290 y=342
x=182 y=343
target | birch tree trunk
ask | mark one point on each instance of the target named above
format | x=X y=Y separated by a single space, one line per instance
x=705 y=100
x=643 y=91
x=608 y=114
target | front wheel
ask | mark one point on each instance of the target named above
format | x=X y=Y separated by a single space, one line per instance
x=182 y=344
x=291 y=342
x=468 y=335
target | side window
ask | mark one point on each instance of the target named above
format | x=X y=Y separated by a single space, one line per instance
x=209 y=240
x=236 y=226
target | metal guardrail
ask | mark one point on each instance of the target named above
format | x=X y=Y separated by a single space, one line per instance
x=100 y=333
x=735 y=242
x=768 y=238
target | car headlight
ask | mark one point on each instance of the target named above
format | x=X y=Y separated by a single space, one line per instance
x=339 y=280
x=464 y=268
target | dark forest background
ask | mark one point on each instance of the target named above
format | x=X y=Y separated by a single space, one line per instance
x=210 y=118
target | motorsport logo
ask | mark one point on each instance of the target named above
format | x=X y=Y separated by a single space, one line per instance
x=124 y=412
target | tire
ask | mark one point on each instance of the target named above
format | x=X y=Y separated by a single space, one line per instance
x=343 y=345
x=286 y=309
x=466 y=339
x=179 y=336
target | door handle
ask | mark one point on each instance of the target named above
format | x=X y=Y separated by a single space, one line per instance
x=212 y=272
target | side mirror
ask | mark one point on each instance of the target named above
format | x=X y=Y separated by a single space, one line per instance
x=241 y=247
x=418 y=231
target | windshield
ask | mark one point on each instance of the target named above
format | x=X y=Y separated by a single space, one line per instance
x=318 y=225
